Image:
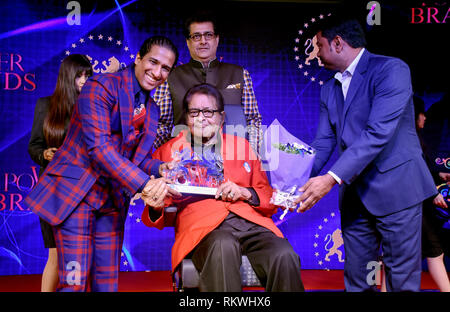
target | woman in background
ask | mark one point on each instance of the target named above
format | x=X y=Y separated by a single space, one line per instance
x=51 y=120
x=434 y=241
x=433 y=235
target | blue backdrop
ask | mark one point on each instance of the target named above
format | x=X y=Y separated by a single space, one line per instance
x=271 y=40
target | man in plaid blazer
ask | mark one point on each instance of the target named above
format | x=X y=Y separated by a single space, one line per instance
x=105 y=159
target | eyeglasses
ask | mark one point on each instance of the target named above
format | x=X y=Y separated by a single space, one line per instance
x=198 y=36
x=207 y=113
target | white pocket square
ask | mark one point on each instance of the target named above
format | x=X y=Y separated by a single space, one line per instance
x=234 y=86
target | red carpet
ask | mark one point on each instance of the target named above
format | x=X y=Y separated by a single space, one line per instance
x=161 y=281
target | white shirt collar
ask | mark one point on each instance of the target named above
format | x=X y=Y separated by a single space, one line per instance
x=351 y=68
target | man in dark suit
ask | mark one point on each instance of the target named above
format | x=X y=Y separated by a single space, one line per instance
x=105 y=159
x=367 y=111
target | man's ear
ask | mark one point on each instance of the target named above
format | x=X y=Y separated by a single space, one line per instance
x=136 y=59
x=338 y=43
x=223 y=118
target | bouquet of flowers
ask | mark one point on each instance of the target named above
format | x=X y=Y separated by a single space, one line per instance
x=289 y=162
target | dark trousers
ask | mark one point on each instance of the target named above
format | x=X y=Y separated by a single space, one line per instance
x=218 y=259
x=399 y=235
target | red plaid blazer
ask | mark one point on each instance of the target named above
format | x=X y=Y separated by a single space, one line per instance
x=101 y=156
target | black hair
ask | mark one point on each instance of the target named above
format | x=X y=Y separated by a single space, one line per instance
x=160 y=41
x=345 y=26
x=199 y=17
x=206 y=89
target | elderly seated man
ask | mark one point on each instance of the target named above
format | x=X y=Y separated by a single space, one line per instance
x=215 y=231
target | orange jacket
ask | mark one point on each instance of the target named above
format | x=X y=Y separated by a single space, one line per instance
x=197 y=219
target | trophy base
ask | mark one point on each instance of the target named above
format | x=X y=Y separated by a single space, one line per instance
x=197 y=190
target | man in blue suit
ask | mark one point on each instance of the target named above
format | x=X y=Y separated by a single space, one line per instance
x=367 y=111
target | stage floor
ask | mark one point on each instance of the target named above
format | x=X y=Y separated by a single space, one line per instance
x=161 y=281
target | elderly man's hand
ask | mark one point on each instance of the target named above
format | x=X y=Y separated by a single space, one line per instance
x=314 y=190
x=230 y=191
x=166 y=166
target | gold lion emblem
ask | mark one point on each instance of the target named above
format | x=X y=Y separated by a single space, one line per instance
x=337 y=240
x=112 y=66
x=313 y=54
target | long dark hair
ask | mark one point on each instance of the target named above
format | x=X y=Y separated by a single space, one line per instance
x=64 y=97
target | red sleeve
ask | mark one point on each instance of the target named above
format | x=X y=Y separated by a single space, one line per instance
x=164 y=154
x=261 y=185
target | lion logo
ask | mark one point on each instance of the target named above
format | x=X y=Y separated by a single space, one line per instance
x=307 y=55
x=112 y=66
x=337 y=240
x=314 y=52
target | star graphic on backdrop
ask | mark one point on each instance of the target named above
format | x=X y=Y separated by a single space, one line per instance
x=67 y=52
x=110 y=38
x=100 y=37
x=74 y=45
x=81 y=40
x=91 y=37
x=119 y=42
x=303 y=32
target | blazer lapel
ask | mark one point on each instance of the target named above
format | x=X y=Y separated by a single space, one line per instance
x=357 y=79
x=126 y=100
x=146 y=142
